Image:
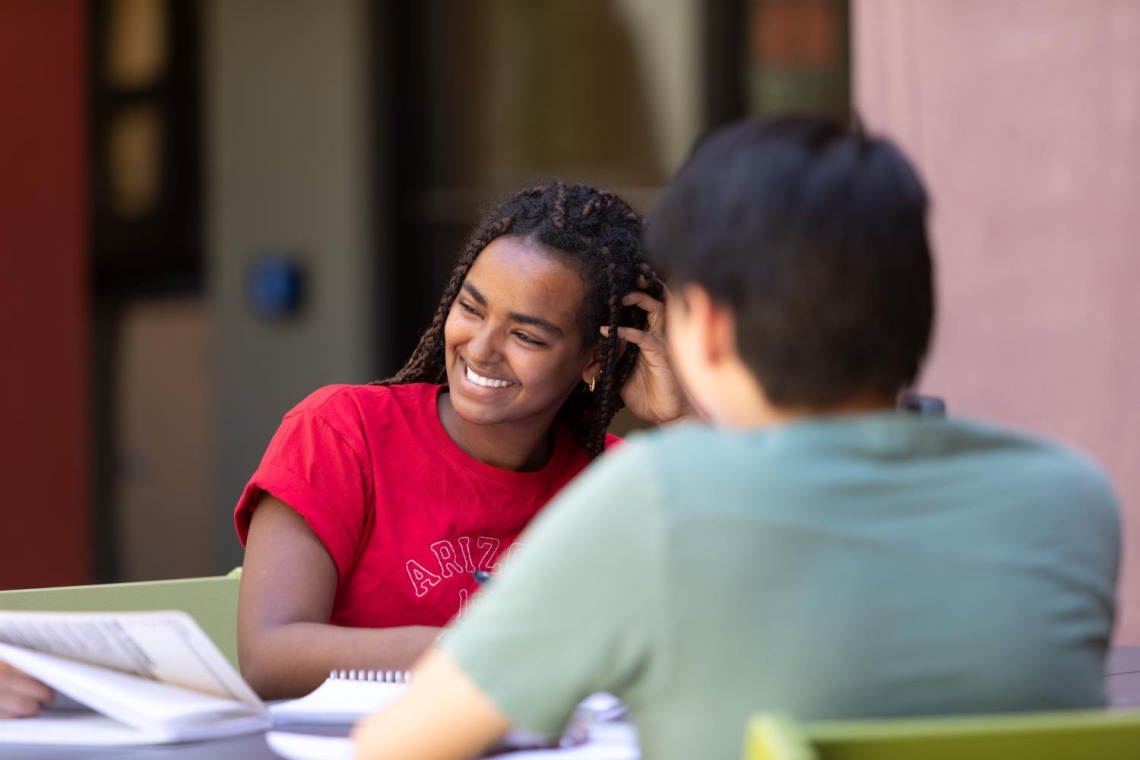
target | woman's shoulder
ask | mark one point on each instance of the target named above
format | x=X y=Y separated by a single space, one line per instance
x=338 y=399
x=363 y=414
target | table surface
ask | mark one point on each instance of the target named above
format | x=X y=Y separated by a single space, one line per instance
x=1122 y=681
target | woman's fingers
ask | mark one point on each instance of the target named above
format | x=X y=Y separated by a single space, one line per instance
x=644 y=301
x=654 y=308
x=18 y=706
x=640 y=338
x=20 y=694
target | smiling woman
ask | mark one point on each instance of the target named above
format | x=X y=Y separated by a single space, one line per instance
x=374 y=504
x=514 y=352
x=596 y=236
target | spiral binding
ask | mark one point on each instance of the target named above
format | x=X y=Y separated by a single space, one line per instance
x=380 y=676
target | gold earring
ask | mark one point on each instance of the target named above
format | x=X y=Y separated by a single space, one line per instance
x=593 y=381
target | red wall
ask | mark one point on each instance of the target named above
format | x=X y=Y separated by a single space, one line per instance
x=44 y=410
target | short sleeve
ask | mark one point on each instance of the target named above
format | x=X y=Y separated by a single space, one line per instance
x=576 y=610
x=315 y=464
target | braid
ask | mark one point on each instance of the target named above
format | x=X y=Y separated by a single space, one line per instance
x=559 y=218
x=601 y=234
x=427 y=363
x=610 y=253
x=610 y=401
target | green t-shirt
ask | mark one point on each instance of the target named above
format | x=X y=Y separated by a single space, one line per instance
x=867 y=565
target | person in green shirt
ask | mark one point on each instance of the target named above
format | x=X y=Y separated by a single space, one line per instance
x=807 y=549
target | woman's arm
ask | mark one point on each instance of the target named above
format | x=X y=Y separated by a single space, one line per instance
x=286 y=646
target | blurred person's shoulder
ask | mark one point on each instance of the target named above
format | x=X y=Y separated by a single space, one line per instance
x=1047 y=465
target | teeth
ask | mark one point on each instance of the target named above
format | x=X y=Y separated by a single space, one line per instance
x=486 y=382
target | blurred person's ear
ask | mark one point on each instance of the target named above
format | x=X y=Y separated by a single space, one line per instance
x=710 y=326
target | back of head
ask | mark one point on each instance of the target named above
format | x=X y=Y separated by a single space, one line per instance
x=814 y=235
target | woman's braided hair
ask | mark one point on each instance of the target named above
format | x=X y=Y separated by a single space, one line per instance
x=602 y=234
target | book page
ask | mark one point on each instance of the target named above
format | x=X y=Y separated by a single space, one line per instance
x=161 y=711
x=90 y=729
x=160 y=646
x=74 y=728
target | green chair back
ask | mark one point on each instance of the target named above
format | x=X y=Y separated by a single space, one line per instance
x=1070 y=735
x=210 y=601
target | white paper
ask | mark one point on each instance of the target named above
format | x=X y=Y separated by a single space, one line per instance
x=79 y=728
x=308 y=747
x=90 y=729
x=166 y=646
x=611 y=741
x=134 y=704
x=337 y=701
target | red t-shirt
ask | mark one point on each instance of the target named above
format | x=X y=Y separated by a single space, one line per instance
x=405 y=514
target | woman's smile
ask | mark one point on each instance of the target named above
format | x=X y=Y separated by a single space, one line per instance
x=483 y=380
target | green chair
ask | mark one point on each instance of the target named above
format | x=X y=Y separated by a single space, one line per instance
x=210 y=601
x=1070 y=735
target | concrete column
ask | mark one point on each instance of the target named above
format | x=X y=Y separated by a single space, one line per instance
x=288 y=168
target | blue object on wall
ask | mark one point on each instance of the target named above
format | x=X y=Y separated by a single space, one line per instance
x=276 y=286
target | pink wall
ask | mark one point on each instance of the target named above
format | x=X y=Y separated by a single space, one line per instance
x=1024 y=116
x=44 y=533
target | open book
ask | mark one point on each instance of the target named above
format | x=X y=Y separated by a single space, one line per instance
x=125 y=678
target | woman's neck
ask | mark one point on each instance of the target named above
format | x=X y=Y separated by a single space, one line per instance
x=521 y=447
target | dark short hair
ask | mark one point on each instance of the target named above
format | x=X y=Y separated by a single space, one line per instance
x=814 y=234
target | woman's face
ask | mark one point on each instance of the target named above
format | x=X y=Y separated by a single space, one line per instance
x=514 y=347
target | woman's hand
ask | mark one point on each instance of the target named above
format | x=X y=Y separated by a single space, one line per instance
x=21 y=696
x=652 y=392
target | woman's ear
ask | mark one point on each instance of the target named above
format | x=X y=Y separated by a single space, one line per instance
x=594 y=368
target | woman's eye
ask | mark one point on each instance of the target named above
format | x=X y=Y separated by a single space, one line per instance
x=528 y=340
x=468 y=308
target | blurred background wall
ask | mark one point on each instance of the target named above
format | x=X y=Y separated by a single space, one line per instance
x=1024 y=117
x=210 y=208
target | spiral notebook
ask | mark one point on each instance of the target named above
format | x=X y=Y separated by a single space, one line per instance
x=345 y=697
x=595 y=733
x=610 y=741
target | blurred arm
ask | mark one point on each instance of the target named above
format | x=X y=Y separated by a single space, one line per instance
x=442 y=716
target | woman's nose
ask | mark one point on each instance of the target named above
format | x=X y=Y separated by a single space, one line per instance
x=483 y=345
